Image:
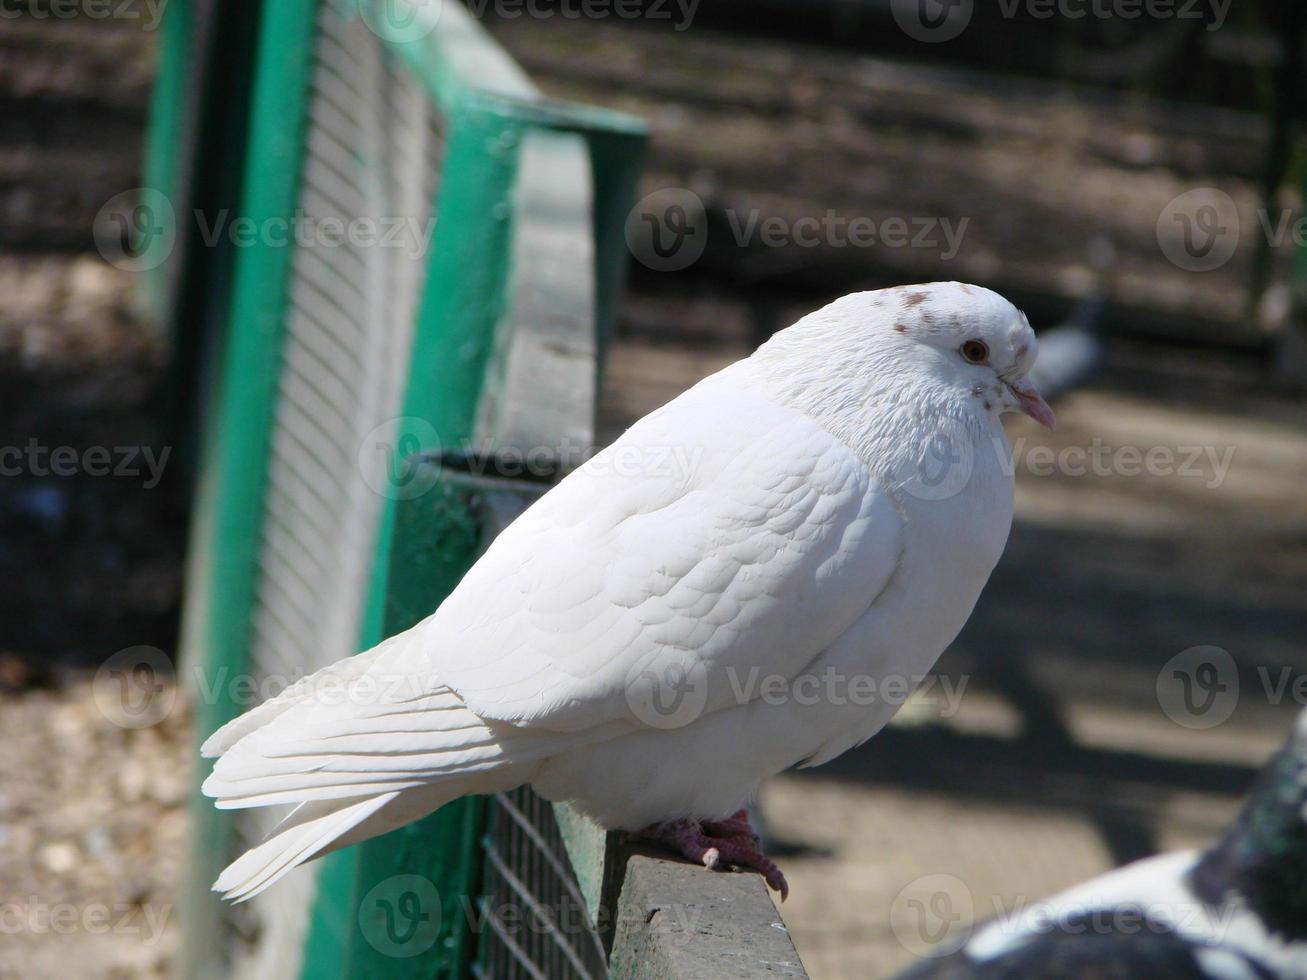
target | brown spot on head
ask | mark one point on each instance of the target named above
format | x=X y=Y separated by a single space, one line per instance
x=967 y=289
x=1021 y=351
x=901 y=327
x=915 y=299
x=988 y=406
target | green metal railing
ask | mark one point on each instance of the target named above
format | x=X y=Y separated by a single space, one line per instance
x=307 y=544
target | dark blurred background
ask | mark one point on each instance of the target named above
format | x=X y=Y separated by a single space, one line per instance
x=1070 y=154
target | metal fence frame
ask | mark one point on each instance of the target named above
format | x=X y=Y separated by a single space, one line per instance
x=507 y=151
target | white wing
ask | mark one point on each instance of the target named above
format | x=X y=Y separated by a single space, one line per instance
x=723 y=534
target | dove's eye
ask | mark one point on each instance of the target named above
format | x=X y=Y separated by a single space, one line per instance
x=975 y=351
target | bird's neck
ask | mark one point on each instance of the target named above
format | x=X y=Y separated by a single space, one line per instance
x=878 y=406
x=1263 y=855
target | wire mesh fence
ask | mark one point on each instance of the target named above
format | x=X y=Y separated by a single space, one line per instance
x=536 y=923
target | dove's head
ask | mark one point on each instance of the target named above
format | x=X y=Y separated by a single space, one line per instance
x=971 y=339
x=964 y=349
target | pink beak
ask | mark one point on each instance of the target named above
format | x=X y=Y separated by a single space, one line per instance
x=1033 y=405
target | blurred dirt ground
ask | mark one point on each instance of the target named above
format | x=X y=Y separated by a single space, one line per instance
x=1058 y=762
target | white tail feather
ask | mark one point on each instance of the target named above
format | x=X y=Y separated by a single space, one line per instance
x=357 y=757
x=312 y=829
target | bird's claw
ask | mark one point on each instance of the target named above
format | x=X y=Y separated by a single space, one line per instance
x=718 y=844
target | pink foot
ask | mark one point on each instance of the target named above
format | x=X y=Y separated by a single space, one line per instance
x=718 y=844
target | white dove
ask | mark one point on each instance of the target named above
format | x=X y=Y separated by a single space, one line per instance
x=746 y=580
